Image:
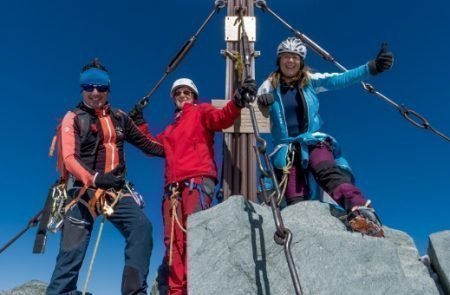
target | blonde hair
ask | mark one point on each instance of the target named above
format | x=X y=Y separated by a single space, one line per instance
x=302 y=77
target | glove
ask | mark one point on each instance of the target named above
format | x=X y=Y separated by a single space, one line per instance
x=265 y=99
x=113 y=179
x=382 y=62
x=137 y=114
x=245 y=92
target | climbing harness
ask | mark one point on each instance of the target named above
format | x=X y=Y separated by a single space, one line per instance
x=283 y=235
x=284 y=179
x=137 y=197
x=52 y=216
x=59 y=197
x=174 y=201
x=410 y=115
x=218 y=4
x=175 y=190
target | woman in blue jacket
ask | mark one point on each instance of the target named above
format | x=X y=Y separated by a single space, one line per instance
x=291 y=94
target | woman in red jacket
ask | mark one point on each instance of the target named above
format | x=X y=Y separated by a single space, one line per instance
x=190 y=172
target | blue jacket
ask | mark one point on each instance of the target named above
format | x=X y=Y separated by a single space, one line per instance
x=318 y=82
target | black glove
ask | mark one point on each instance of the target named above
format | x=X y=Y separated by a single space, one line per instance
x=382 y=62
x=245 y=93
x=112 y=179
x=137 y=114
x=265 y=99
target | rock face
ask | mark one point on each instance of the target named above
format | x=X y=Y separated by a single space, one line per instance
x=439 y=252
x=231 y=250
x=30 y=288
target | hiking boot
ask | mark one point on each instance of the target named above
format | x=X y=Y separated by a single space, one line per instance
x=363 y=219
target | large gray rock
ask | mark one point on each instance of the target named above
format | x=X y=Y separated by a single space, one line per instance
x=33 y=287
x=439 y=252
x=231 y=251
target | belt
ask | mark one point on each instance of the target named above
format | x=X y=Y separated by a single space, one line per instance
x=182 y=184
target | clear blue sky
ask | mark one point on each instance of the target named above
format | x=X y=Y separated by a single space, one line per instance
x=403 y=169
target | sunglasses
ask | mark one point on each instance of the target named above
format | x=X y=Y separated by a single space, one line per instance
x=185 y=92
x=90 y=88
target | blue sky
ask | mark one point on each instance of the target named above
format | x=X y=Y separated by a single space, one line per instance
x=403 y=169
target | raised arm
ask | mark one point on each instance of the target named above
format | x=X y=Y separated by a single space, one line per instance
x=216 y=119
x=331 y=81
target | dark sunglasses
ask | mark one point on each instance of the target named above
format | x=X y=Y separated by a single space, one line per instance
x=185 y=92
x=90 y=88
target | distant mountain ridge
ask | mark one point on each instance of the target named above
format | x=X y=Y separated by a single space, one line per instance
x=33 y=287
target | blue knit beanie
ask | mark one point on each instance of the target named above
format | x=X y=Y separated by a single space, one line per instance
x=94 y=76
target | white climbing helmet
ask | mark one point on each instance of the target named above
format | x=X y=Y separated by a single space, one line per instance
x=292 y=45
x=183 y=82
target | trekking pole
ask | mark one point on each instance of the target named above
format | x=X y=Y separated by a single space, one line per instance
x=31 y=223
x=282 y=236
x=410 y=115
x=218 y=4
x=91 y=264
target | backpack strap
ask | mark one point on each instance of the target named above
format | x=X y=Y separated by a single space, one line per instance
x=84 y=121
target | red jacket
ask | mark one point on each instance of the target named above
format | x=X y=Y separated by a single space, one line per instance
x=188 y=142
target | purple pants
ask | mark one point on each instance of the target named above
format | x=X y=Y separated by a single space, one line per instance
x=332 y=179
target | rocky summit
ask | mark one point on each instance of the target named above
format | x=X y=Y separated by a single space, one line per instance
x=231 y=250
x=439 y=253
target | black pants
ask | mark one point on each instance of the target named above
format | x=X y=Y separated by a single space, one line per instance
x=134 y=226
